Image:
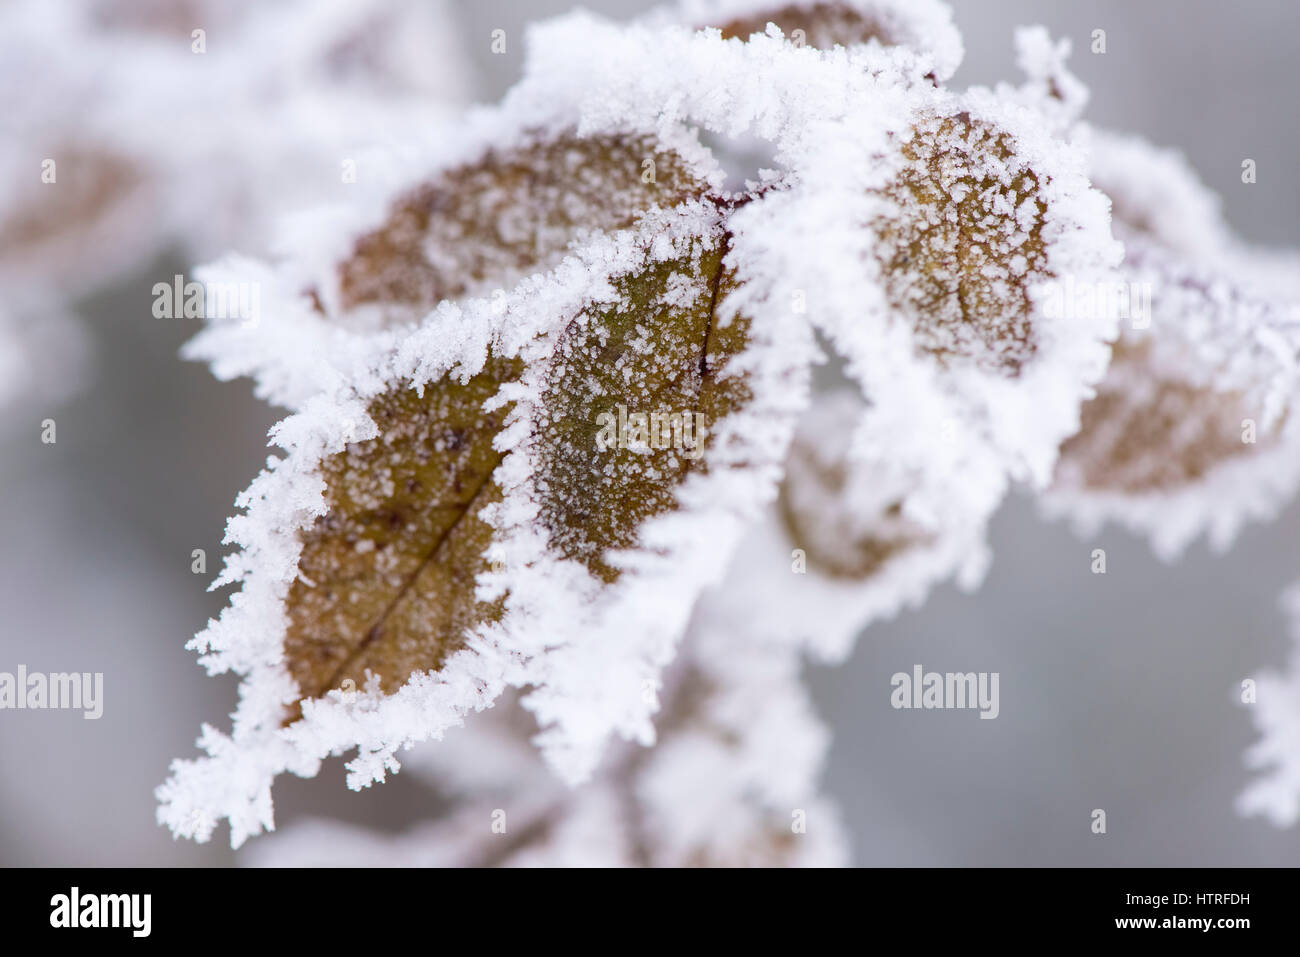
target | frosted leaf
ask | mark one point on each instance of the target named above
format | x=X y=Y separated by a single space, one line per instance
x=1167 y=456
x=595 y=495
x=847 y=513
x=924 y=26
x=68 y=235
x=505 y=810
x=961 y=243
x=1275 y=794
x=842 y=548
x=970 y=382
x=96 y=184
x=841 y=541
x=1156 y=194
x=74 y=188
x=487 y=223
x=385 y=580
x=1193 y=428
x=743 y=384
x=1145 y=434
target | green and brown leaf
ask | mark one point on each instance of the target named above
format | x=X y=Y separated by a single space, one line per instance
x=653 y=356
x=386 y=577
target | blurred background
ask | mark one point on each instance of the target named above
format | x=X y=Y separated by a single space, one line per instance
x=1117 y=691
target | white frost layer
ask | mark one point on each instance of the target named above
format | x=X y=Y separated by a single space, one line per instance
x=1275 y=794
x=1049 y=86
x=765 y=86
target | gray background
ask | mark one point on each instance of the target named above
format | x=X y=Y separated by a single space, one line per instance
x=1117 y=691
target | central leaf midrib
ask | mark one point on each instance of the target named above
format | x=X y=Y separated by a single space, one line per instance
x=377 y=628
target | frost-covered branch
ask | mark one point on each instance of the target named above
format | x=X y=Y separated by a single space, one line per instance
x=553 y=439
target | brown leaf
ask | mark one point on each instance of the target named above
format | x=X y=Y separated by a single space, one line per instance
x=386 y=576
x=821 y=25
x=1145 y=432
x=654 y=360
x=513 y=212
x=955 y=262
